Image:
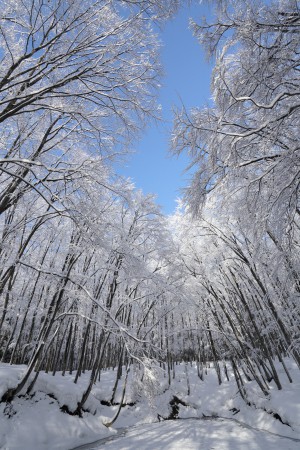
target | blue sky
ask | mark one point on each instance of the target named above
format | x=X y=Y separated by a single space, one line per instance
x=186 y=80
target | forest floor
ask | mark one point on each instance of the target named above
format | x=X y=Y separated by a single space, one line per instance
x=224 y=420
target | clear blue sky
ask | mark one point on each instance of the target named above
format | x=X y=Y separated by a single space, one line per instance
x=186 y=80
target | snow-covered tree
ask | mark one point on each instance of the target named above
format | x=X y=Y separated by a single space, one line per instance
x=245 y=147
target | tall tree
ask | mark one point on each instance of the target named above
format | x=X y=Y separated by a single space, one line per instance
x=246 y=146
x=73 y=75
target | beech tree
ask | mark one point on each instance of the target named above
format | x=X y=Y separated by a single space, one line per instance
x=244 y=191
x=247 y=141
x=73 y=75
x=239 y=305
x=77 y=81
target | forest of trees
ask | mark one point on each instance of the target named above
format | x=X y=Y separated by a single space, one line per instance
x=92 y=275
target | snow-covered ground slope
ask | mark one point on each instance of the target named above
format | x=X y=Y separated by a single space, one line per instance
x=39 y=423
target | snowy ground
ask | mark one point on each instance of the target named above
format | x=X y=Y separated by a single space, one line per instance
x=193 y=434
x=38 y=423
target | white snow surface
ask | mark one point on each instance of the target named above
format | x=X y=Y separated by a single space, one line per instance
x=37 y=423
x=192 y=434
